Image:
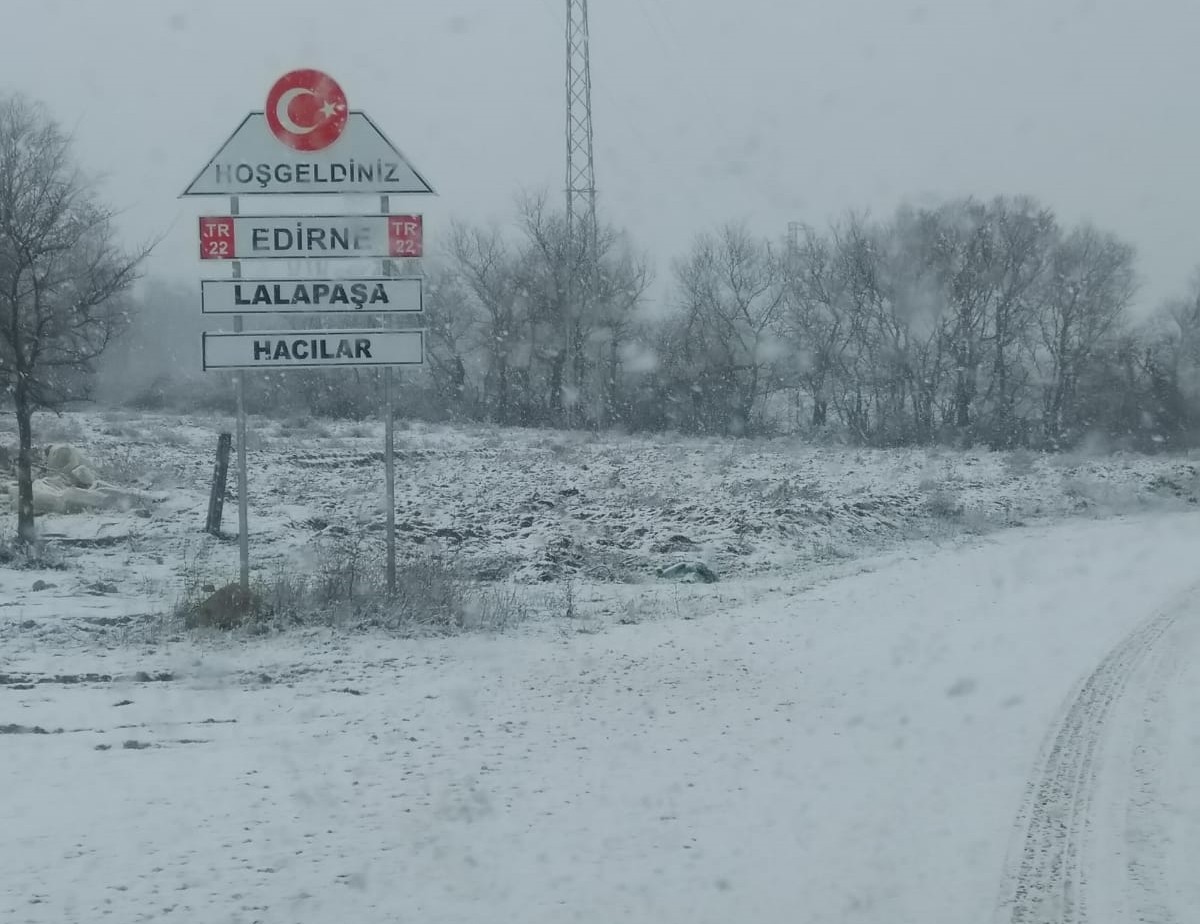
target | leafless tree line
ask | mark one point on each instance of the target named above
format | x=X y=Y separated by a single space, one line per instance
x=968 y=323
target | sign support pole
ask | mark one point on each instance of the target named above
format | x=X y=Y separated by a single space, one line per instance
x=243 y=498
x=389 y=460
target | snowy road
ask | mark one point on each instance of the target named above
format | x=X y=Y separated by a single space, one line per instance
x=1068 y=852
x=1000 y=732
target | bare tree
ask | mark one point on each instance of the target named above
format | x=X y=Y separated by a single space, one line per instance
x=1026 y=234
x=732 y=292
x=1089 y=289
x=62 y=277
x=622 y=280
x=1168 y=360
x=558 y=312
x=452 y=319
x=871 y=316
x=947 y=294
x=963 y=253
x=985 y=260
x=818 y=320
x=858 y=265
x=488 y=270
x=580 y=301
x=910 y=319
x=1179 y=323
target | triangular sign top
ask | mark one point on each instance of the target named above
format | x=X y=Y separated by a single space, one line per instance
x=361 y=162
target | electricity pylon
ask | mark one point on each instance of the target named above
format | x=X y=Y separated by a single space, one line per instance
x=581 y=170
x=583 y=267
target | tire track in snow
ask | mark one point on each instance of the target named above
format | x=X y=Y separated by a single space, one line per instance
x=1156 y=865
x=1046 y=880
x=1144 y=832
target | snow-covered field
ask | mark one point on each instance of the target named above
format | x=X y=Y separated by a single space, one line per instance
x=928 y=687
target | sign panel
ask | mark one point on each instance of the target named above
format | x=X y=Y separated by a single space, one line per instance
x=273 y=237
x=270 y=296
x=312 y=349
x=359 y=161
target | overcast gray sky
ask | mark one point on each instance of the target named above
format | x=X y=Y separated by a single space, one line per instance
x=705 y=110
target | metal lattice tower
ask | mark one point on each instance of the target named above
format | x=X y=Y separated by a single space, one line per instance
x=581 y=171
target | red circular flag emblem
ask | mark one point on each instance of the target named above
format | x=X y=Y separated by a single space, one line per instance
x=306 y=110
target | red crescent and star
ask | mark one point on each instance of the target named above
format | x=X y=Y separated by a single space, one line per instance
x=306 y=110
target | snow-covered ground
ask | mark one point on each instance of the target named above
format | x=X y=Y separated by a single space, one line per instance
x=889 y=709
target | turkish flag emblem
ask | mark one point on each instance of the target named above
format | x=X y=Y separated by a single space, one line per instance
x=306 y=110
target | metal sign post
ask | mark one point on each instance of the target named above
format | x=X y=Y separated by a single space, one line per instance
x=389 y=444
x=389 y=469
x=243 y=477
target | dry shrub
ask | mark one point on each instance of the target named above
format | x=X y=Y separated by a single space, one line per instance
x=943 y=503
x=348 y=589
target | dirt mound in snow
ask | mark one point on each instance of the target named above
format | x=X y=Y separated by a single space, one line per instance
x=228 y=607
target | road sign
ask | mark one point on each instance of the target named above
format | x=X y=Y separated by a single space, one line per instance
x=310 y=349
x=254 y=162
x=306 y=110
x=273 y=237
x=308 y=141
x=375 y=295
